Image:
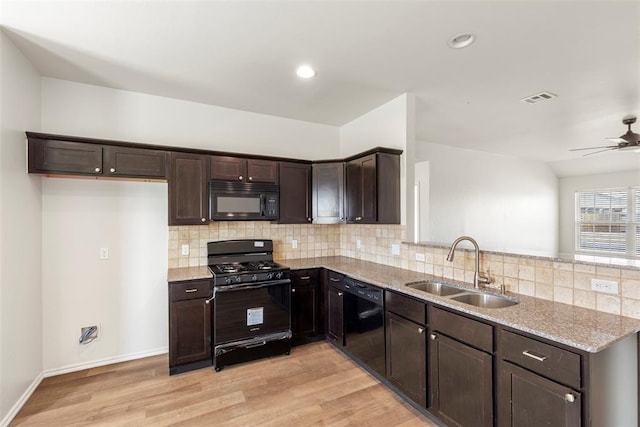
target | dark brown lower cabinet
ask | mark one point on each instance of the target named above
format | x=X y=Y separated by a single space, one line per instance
x=335 y=308
x=527 y=399
x=306 y=319
x=407 y=357
x=189 y=325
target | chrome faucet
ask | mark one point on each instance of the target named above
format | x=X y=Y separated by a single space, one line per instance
x=477 y=278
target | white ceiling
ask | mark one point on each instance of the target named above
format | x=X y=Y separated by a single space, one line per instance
x=242 y=55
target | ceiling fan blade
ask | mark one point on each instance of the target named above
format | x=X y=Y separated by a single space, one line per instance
x=611 y=147
x=616 y=140
x=601 y=151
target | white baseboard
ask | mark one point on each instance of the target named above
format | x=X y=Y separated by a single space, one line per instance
x=73 y=368
x=102 y=362
x=23 y=399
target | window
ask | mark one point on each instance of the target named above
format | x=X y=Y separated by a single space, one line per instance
x=608 y=222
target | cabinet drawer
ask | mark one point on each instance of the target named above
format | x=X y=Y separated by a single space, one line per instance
x=335 y=279
x=469 y=331
x=306 y=276
x=189 y=290
x=406 y=307
x=552 y=362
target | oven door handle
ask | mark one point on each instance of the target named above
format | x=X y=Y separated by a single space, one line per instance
x=245 y=286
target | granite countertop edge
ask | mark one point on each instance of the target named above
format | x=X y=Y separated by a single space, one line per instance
x=580 y=328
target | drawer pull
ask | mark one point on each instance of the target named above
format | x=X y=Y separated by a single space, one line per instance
x=420 y=330
x=305 y=278
x=569 y=397
x=339 y=294
x=191 y=290
x=433 y=337
x=534 y=356
x=333 y=279
x=293 y=290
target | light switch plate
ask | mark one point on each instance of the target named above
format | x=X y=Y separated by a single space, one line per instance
x=294 y=244
x=104 y=253
x=420 y=257
x=185 y=250
x=395 y=249
x=358 y=244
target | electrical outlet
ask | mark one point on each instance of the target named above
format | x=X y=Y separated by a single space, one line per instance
x=395 y=249
x=185 y=250
x=358 y=244
x=104 y=253
x=420 y=257
x=294 y=244
x=607 y=286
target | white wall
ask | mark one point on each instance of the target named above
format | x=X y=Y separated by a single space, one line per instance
x=93 y=111
x=507 y=204
x=126 y=295
x=20 y=231
x=386 y=126
x=569 y=186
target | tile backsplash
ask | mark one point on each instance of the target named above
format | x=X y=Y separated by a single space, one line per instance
x=545 y=278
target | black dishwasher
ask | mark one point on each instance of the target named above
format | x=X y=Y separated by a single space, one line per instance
x=364 y=323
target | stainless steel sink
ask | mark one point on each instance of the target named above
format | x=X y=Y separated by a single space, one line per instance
x=436 y=288
x=485 y=300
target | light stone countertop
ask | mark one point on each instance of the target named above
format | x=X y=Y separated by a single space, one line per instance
x=581 y=328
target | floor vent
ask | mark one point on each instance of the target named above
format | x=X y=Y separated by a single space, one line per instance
x=539 y=97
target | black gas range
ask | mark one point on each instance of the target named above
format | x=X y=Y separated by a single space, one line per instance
x=252 y=301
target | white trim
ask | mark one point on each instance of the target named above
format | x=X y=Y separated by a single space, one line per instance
x=23 y=399
x=102 y=362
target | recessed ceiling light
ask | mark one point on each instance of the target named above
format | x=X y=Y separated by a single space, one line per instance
x=305 y=72
x=461 y=40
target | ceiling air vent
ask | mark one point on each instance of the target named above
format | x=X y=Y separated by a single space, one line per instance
x=538 y=97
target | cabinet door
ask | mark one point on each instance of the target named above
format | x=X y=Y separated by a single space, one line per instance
x=64 y=157
x=354 y=191
x=527 y=399
x=369 y=190
x=335 y=315
x=328 y=193
x=262 y=171
x=228 y=168
x=188 y=191
x=135 y=162
x=407 y=357
x=304 y=310
x=295 y=193
x=461 y=383
x=189 y=331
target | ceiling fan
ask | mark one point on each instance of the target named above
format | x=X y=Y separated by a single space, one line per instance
x=628 y=141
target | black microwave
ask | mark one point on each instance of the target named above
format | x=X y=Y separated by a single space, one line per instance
x=238 y=201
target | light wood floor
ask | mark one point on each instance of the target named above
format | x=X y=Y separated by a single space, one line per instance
x=315 y=385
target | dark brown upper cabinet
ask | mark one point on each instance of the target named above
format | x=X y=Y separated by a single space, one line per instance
x=373 y=189
x=295 y=193
x=188 y=189
x=328 y=193
x=80 y=158
x=244 y=170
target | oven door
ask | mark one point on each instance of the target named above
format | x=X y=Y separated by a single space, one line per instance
x=247 y=310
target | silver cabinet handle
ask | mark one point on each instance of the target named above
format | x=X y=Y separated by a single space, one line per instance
x=569 y=397
x=433 y=337
x=339 y=294
x=112 y=170
x=191 y=290
x=250 y=178
x=309 y=219
x=293 y=289
x=333 y=279
x=358 y=218
x=305 y=278
x=420 y=330
x=240 y=177
x=210 y=299
x=534 y=356
x=97 y=169
x=203 y=219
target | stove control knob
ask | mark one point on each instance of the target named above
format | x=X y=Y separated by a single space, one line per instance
x=269 y=276
x=238 y=279
x=254 y=277
x=279 y=275
x=227 y=280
